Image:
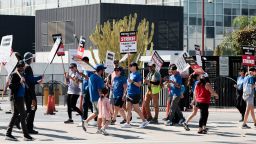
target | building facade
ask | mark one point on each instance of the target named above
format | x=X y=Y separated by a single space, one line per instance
x=218 y=15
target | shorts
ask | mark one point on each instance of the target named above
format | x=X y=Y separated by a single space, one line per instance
x=250 y=100
x=95 y=107
x=135 y=99
x=118 y=102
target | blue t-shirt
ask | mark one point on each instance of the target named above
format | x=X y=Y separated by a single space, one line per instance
x=118 y=89
x=21 y=91
x=132 y=89
x=174 y=90
x=95 y=82
x=249 y=80
x=240 y=81
x=85 y=82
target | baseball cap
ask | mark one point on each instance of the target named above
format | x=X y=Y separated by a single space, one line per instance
x=20 y=63
x=100 y=67
x=71 y=65
x=252 y=69
x=173 y=67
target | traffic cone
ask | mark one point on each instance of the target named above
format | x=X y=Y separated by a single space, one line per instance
x=50 y=106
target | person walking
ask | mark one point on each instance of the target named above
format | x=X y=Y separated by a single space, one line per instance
x=175 y=83
x=192 y=82
x=248 y=96
x=73 y=79
x=105 y=112
x=119 y=90
x=30 y=96
x=203 y=92
x=133 y=96
x=17 y=86
x=96 y=84
x=240 y=103
x=153 y=81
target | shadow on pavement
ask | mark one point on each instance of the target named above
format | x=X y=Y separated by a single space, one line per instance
x=150 y=127
x=125 y=136
x=61 y=137
x=227 y=134
x=189 y=134
x=60 y=131
x=126 y=130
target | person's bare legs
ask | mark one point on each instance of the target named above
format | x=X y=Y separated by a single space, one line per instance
x=121 y=111
x=155 y=98
x=193 y=114
x=99 y=122
x=129 y=111
x=246 y=115
x=137 y=110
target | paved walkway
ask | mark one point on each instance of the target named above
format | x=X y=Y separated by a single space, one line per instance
x=223 y=128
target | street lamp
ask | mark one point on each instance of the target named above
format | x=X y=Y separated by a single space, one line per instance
x=209 y=1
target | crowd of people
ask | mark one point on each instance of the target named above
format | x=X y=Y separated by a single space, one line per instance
x=106 y=96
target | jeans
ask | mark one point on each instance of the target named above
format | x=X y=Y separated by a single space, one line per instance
x=175 y=108
x=203 y=113
x=18 y=110
x=30 y=113
x=87 y=104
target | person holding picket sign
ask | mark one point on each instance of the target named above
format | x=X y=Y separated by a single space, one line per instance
x=248 y=96
x=30 y=97
x=17 y=86
x=73 y=79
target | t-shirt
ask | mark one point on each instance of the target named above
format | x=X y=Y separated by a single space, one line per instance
x=249 y=80
x=85 y=82
x=240 y=81
x=95 y=82
x=132 y=89
x=174 y=90
x=73 y=87
x=118 y=89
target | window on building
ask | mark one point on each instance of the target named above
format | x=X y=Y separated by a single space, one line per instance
x=227 y=21
x=209 y=32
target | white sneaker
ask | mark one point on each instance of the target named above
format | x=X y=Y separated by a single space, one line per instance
x=80 y=124
x=144 y=124
x=126 y=125
x=99 y=131
x=85 y=124
x=104 y=132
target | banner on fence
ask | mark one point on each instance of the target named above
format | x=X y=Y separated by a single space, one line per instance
x=224 y=66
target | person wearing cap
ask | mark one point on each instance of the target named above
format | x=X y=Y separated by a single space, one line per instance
x=119 y=86
x=153 y=81
x=73 y=79
x=86 y=102
x=248 y=96
x=203 y=93
x=133 y=96
x=17 y=86
x=95 y=85
x=240 y=103
x=30 y=96
x=174 y=82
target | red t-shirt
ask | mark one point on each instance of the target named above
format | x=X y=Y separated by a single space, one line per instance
x=202 y=94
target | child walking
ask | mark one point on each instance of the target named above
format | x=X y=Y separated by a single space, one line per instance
x=105 y=112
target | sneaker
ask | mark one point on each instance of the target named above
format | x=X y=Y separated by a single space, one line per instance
x=245 y=126
x=69 y=121
x=185 y=125
x=126 y=125
x=202 y=132
x=28 y=138
x=154 y=121
x=104 y=132
x=80 y=124
x=10 y=137
x=149 y=119
x=123 y=121
x=98 y=131
x=169 y=123
x=32 y=132
x=84 y=125
x=144 y=124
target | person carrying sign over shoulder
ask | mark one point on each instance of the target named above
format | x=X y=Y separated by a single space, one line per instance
x=153 y=81
x=133 y=96
x=17 y=86
x=248 y=96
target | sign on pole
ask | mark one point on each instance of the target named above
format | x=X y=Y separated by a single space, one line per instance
x=82 y=64
x=123 y=58
x=198 y=55
x=128 y=42
x=248 y=56
x=157 y=60
x=60 y=51
x=224 y=66
x=109 y=63
x=181 y=64
x=193 y=64
x=10 y=65
x=54 y=50
x=6 y=48
x=81 y=47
